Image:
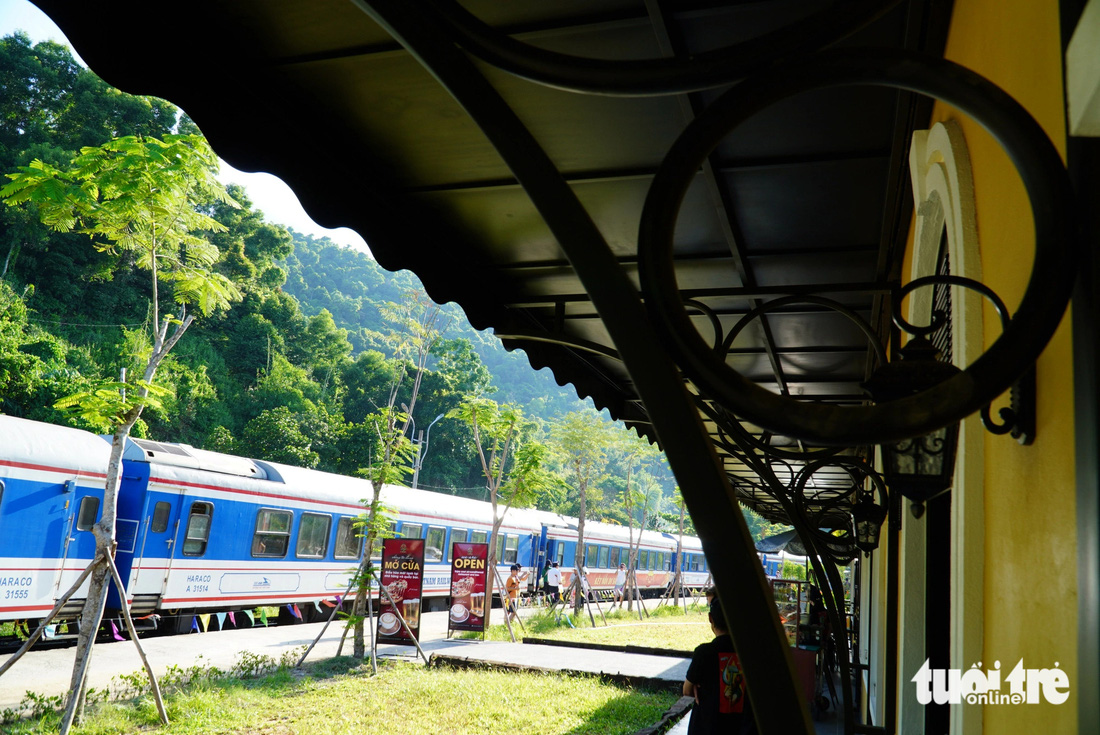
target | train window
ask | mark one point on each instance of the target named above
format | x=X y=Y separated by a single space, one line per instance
x=511 y=549
x=560 y=555
x=695 y=562
x=349 y=544
x=591 y=553
x=603 y=556
x=272 y=537
x=162 y=511
x=433 y=549
x=643 y=559
x=613 y=559
x=410 y=530
x=661 y=562
x=458 y=536
x=1 y=491
x=198 y=529
x=89 y=509
x=479 y=537
x=376 y=547
x=313 y=535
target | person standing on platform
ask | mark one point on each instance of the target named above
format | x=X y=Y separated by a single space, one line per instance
x=620 y=585
x=553 y=583
x=511 y=585
x=716 y=681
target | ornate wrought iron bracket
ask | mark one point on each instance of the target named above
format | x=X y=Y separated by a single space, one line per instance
x=1008 y=358
x=1019 y=417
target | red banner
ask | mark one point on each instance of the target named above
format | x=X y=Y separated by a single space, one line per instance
x=469 y=570
x=402 y=576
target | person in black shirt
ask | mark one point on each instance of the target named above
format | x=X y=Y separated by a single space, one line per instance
x=717 y=683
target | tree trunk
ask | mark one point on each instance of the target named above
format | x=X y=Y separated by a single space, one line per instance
x=363 y=589
x=491 y=572
x=578 y=587
x=99 y=580
x=7 y=260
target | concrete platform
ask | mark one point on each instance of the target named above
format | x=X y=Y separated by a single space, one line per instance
x=637 y=669
x=48 y=672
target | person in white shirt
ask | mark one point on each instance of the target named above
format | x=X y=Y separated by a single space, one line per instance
x=553 y=583
x=620 y=584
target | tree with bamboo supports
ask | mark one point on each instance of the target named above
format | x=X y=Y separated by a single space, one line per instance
x=141 y=201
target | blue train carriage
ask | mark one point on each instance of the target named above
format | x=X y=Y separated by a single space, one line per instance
x=201 y=532
x=556 y=533
x=606 y=546
x=51 y=490
x=694 y=570
x=443 y=520
x=772 y=563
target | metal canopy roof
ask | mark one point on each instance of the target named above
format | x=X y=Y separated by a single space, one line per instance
x=808 y=197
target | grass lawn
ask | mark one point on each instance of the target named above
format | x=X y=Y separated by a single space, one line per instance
x=339 y=695
x=666 y=627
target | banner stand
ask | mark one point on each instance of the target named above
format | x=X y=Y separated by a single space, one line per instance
x=397 y=612
x=471 y=600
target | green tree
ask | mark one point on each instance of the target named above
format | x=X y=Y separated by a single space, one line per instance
x=416 y=327
x=511 y=462
x=50 y=108
x=138 y=197
x=640 y=489
x=759 y=527
x=580 y=441
x=276 y=435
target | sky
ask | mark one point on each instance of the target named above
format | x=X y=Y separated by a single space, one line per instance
x=268 y=193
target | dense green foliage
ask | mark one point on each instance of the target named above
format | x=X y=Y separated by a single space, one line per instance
x=299 y=367
x=351 y=286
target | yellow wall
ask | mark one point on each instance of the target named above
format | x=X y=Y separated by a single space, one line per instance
x=1030 y=560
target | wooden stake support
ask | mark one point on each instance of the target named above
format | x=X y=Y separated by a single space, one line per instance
x=397 y=612
x=331 y=616
x=133 y=636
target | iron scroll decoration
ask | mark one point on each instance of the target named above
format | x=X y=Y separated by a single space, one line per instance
x=1023 y=339
x=723 y=344
x=657 y=76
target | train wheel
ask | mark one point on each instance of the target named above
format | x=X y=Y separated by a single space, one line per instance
x=175 y=624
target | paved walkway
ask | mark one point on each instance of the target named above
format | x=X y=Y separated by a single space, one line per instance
x=561 y=658
x=48 y=672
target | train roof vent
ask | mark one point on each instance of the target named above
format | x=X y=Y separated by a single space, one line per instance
x=153 y=448
x=183 y=455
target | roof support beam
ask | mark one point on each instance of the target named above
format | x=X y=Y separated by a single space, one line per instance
x=707 y=492
x=690 y=105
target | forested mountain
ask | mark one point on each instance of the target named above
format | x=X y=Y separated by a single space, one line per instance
x=298 y=368
x=351 y=286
